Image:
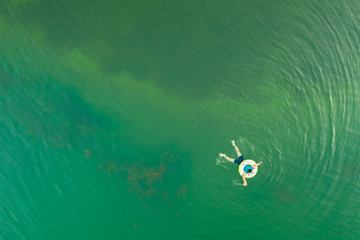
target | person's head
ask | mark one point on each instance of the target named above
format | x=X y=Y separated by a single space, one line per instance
x=249 y=170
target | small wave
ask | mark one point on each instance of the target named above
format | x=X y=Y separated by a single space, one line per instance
x=221 y=162
x=237 y=182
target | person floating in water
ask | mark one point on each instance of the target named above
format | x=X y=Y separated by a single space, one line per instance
x=238 y=161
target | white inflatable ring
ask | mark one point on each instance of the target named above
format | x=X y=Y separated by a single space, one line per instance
x=248 y=162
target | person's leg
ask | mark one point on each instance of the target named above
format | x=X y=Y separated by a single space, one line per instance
x=226 y=157
x=236 y=148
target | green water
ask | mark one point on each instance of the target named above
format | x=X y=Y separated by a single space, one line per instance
x=113 y=113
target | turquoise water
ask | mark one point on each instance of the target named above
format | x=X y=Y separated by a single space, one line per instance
x=113 y=114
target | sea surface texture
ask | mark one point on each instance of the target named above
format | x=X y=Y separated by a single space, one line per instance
x=113 y=114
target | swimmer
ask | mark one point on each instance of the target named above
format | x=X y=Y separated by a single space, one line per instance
x=238 y=161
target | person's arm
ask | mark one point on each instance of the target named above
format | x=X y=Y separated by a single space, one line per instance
x=258 y=164
x=244 y=179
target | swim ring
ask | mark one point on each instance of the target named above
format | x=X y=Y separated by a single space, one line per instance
x=246 y=163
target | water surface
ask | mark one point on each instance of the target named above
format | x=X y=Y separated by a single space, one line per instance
x=113 y=115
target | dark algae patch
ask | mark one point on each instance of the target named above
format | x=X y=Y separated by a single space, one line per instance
x=165 y=181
